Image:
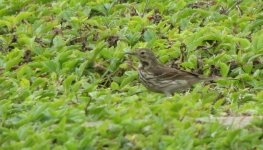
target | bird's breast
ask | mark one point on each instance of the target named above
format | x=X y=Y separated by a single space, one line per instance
x=148 y=79
x=160 y=83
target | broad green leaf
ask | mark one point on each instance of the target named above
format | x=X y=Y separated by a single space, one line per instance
x=51 y=97
x=68 y=81
x=224 y=69
x=52 y=65
x=131 y=75
x=219 y=103
x=24 y=83
x=258 y=40
x=23 y=15
x=13 y=62
x=115 y=86
x=69 y=65
x=77 y=85
x=82 y=68
x=5 y=23
x=149 y=35
x=39 y=82
x=59 y=42
x=247 y=68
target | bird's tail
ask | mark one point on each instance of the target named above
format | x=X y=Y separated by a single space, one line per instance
x=214 y=78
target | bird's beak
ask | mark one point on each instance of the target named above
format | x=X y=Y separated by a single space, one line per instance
x=130 y=53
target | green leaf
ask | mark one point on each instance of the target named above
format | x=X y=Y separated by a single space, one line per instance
x=107 y=53
x=219 y=103
x=77 y=85
x=82 y=68
x=247 y=68
x=69 y=65
x=224 y=69
x=149 y=35
x=257 y=41
x=13 y=58
x=39 y=82
x=23 y=15
x=6 y=23
x=59 y=42
x=24 y=83
x=260 y=95
x=191 y=63
x=133 y=37
x=114 y=86
x=52 y=65
x=131 y=75
x=244 y=43
x=68 y=81
x=13 y=62
x=64 y=56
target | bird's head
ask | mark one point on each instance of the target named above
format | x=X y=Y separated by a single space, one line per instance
x=146 y=57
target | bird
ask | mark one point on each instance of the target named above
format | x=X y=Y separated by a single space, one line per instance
x=160 y=78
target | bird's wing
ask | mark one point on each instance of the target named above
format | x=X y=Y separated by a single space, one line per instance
x=163 y=72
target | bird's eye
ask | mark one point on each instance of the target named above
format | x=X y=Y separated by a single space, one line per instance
x=142 y=52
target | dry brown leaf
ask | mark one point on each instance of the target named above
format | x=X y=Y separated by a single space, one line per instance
x=232 y=121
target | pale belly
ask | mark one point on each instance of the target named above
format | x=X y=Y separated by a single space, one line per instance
x=160 y=84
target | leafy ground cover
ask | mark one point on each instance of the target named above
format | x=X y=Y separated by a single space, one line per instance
x=65 y=82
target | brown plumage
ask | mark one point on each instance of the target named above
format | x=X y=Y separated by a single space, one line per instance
x=160 y=78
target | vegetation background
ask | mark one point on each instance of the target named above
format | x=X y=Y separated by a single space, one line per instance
x=65 y=82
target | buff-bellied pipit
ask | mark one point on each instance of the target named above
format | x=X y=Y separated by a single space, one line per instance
x=160 y=78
